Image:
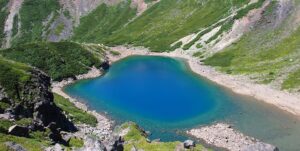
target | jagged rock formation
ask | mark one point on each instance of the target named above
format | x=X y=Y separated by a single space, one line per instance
x=34 y=100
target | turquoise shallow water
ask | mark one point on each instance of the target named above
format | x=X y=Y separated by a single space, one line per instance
x=162 y=95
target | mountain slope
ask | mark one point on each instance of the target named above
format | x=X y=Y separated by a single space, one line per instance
x=59 y=60
x=270 y=52
x=166 y=22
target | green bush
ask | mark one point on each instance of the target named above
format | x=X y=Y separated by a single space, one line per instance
x=59 y=60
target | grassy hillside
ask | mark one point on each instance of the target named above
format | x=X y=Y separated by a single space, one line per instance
x=103 y=21
x=33 y=14
x=59 y=60
x=13 y=77
x=158 y=27
x=267 y=54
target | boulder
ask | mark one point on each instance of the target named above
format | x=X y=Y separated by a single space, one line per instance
x=18 y=131
x=56 y=137
x=36 y=126
x=93 y=144
x=105 y=65
x=118 y=145
x=188 y=144
x=259 y=146
x=56 y=147
x=12 y=146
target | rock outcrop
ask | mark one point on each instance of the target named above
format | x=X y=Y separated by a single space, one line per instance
x=34 y=100
x=12 y=146
x=189 y=144
x=223 y=135
x=18 y=131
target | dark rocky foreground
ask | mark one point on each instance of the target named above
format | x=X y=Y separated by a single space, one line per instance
x=35 y=101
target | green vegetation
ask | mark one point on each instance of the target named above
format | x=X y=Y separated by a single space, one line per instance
x=198 y=54
x=103 y=21
x=293 y=81
x=36 y=142
x=158 y=27
x=177 y=45
x=136 y=138
x=197 y=38
x=3 y=15
x=32 y=144
x=166 y=22
x=13 y=76
x=59 y=29
x=243 y=12
x=75 y=142
x=114 y=53
x=15 y=25
x=59 y=60
x=264 y=53
x=32 y=21
x=76 y=114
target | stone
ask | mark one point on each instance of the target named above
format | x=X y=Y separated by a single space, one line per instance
x=105 y=65
x=224 y=136
x=148 y=140
x=36 y=126
x=12 y=146
x=93 y=144
x=67 y=138
x=188 y=144
x=56 y=147
x=156 y=140
x=18 y=131
x=259 y=146
x=148 y=133
x=118 y=145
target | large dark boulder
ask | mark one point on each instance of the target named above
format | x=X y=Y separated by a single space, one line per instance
x=105 y=65
x=55 y=134
x=18 y=131
x=118 y=144
x=188 y=144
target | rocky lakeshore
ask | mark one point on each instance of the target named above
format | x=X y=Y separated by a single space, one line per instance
x=104 y=126
x=284 y=100
x=239 y=141
x=224 y=136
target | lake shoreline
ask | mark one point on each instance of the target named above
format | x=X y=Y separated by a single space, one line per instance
x=237 y=84
x=286 y=101
x=104 y=125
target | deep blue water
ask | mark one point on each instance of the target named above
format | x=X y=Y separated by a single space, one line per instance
x=162 y=95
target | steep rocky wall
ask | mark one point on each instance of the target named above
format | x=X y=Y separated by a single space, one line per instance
x=34 y=100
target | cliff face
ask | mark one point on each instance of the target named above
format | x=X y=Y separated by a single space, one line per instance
x=30 y=98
